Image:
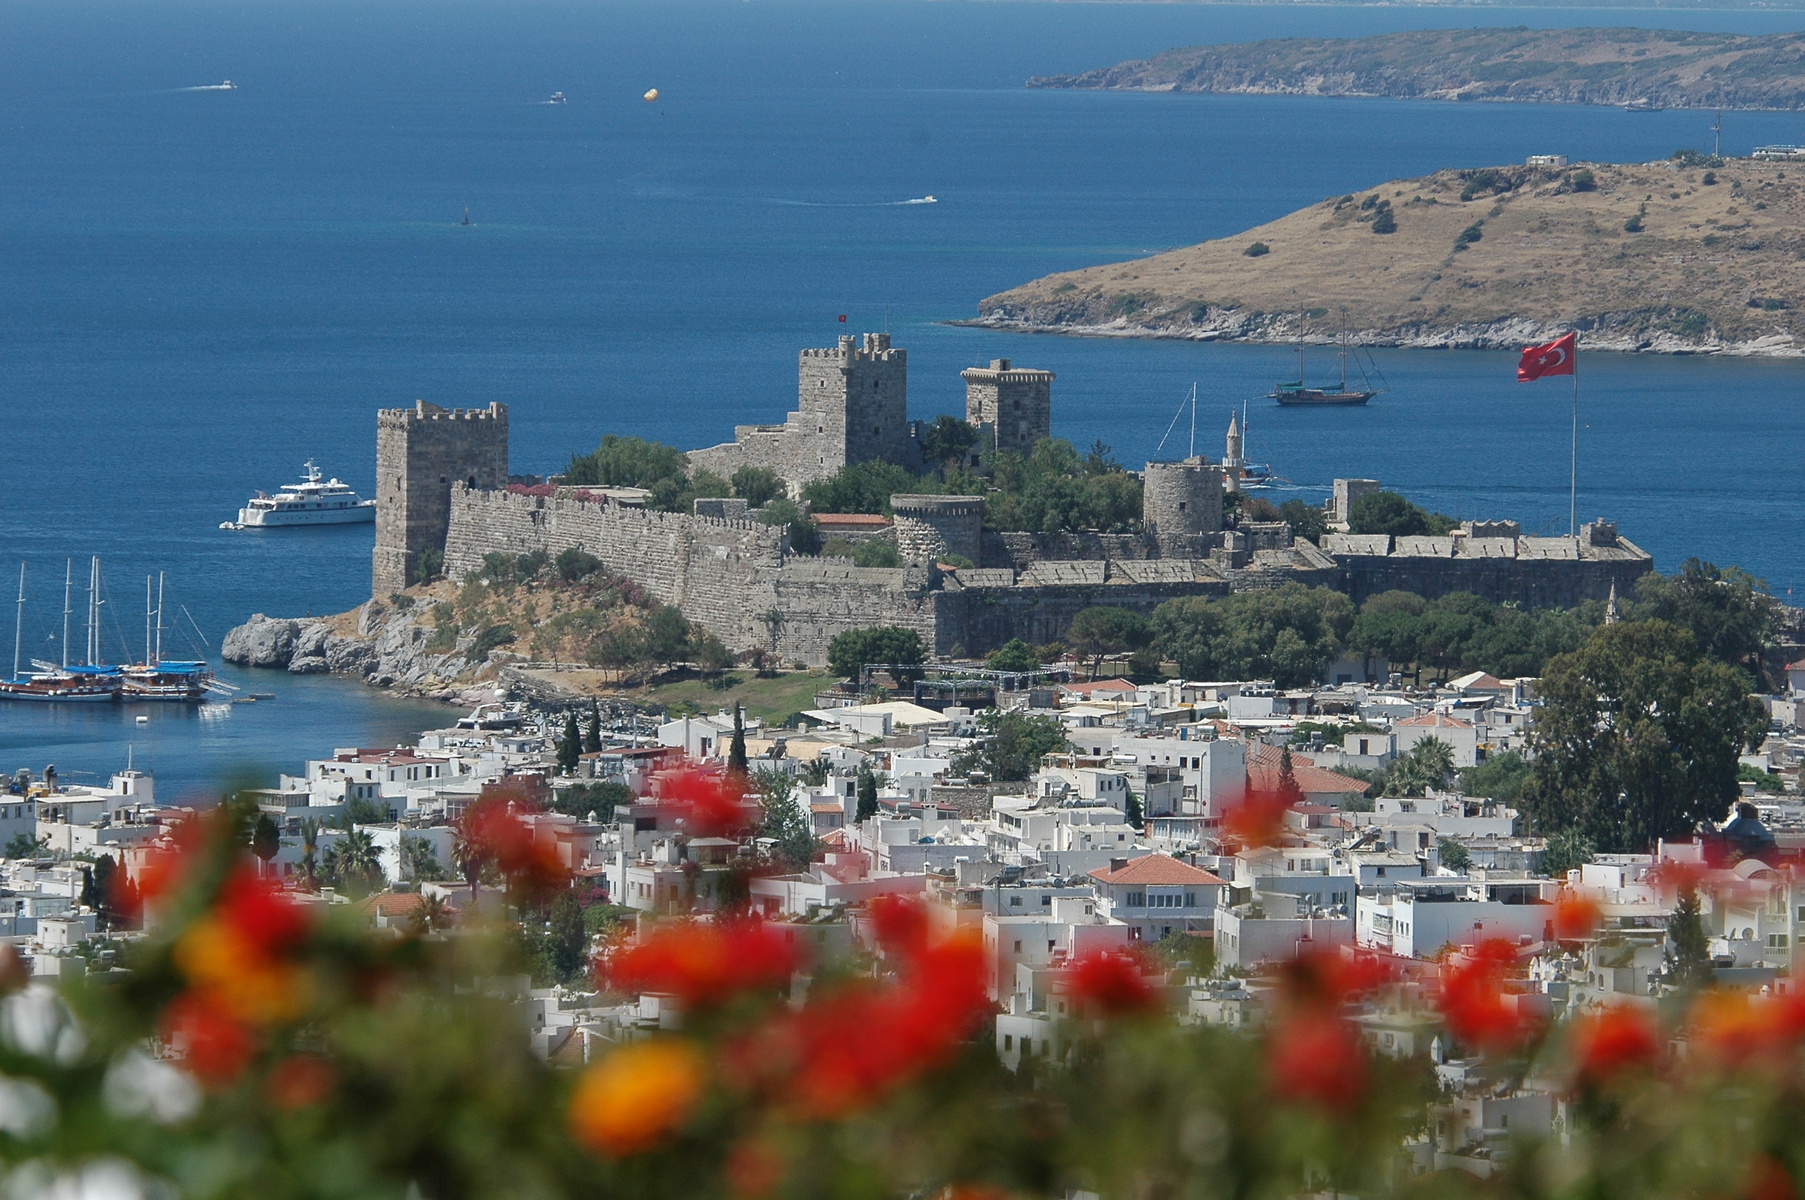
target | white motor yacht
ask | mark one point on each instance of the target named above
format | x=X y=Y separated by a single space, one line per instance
x=311 y=502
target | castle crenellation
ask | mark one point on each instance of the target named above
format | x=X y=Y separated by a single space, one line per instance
x=443 y=491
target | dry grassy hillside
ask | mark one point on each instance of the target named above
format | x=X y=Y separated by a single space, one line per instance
x=1485 y=259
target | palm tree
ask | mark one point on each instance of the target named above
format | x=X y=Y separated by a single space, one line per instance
x=310 y=849
x=470 y=854
x=433 y=914
x=358 y=866
x=419 y=861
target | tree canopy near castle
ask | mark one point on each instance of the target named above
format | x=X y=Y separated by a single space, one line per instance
x=1638 y=737
x=1288 y=634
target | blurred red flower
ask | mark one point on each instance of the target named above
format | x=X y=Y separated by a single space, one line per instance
x=1606 y=1044
x=1317 y=1058
x=215 y=1046
x=1110 y=984
x=1328 y=979
x=701 y=964
x=1473 y=1002
x=1258 y=820
x=1576 y=917
x=260 y=912
x=1769 y=1180
x=710 y=804
x=495 y=832
x=299 y=1081
x=901 y=924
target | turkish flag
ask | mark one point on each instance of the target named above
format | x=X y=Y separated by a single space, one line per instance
x=842 y=318
x=1556 y=358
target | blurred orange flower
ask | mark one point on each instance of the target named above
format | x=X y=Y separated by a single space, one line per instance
x=299 y=1081
x=636 y=1096
x=1737 y=1030
x=1258 y=820
x=239 y=975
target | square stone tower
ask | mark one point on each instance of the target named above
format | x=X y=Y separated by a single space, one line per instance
x=420 y=452
x=852 y=406
x=1016 y=403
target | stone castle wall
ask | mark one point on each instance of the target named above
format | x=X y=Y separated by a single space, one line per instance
x=1014 y=403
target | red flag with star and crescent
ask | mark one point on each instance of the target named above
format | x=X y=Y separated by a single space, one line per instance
x=1554 y=358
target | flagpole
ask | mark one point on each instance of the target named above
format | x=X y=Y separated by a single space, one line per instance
x=1573 y=451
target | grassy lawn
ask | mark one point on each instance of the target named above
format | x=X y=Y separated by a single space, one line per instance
x=770 y=700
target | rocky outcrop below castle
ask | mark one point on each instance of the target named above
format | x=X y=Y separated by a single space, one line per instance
x=386 y=648
x=1653 y=257
x=1652 y=68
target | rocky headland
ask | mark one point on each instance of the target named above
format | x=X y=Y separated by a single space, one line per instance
x=1665 y=257
x=1653 y=68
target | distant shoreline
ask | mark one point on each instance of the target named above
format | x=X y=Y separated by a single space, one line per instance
x=1632 y=68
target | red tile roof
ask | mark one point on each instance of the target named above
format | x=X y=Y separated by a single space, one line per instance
x=1157 y=869
x=1263 y=773
x=1435 y=721
x=1102 y=685
x=851 y=520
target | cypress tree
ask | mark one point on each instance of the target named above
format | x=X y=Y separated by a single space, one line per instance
x=736 y=753
x=592 y=740
x=570 y=746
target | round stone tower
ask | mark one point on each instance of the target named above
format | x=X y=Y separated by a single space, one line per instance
x=928 y=528
x=1181 y=500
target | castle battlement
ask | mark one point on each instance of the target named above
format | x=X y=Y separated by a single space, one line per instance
x=422 y=411
x=875 y=347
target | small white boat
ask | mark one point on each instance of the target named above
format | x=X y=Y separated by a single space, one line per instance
x=557 y=98
x=311 y=502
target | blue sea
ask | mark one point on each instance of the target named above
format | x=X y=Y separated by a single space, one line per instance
x=200 y=288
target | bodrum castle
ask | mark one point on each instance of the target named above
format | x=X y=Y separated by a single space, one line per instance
x=444 y=496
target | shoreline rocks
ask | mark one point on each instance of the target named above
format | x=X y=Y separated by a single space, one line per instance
x=388 y=651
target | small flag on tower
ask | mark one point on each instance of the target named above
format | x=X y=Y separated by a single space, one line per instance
x=842 y=318
x=1555 y=358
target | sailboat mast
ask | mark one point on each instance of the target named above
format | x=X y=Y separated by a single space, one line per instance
x=1344 y=351
x=19 y=621
x=88 y=652
x=1193 y=453
x=159 y=657
x=147 y=618
x=68 y=589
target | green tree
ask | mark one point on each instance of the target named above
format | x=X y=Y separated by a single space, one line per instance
x=419 y=861
x=862 y=488
x=1015 y=655
x=580 y=799
x=853 y=649
x=353 y=864
x=1729 y=612
x=1287 y=634
x=736 y=751
x=574 y=564
x=1288 y=789
x=1306 y=520
x=1500 y=777
x=709 y=653
x=783 y=819
x=360 y=811
x=1390 y=625
x=567 y=940
x=947 y=441
x=868 y=783
x=592 y=736
x=310 y=852
x=570 y=746
x=24 y=846
x=1638 y=737
x=758 y=486
x=805 y=534
x=1133 y=811
x=627 y=462
x=266 y=840
x=1426 y=765
x=428 y=564
x=875 y=553
x=1011 y=745
x=1566 y=850
x=1102 y=631
x=1387 y=512
x=1688 y=953
x=1454 y=856
x=666 y=634
x=1053 y=489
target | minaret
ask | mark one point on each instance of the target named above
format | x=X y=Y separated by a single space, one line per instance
x=1611 y=615
x=1232 y=462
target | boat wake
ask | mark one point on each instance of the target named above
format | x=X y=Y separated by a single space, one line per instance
x=851 y=203
x=227 y=86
